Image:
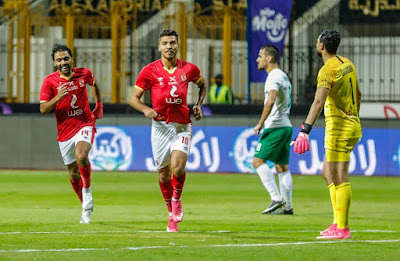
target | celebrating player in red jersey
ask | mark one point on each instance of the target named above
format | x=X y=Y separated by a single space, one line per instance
x=171 y=130
x=65 y=92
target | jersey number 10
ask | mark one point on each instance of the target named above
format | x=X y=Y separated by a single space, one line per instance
x=185 y=140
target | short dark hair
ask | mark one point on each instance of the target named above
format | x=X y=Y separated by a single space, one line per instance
x=271 y=50
x=331 y=39
x=60 y=48
x=169 y=33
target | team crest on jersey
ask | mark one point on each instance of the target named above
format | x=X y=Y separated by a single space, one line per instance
x=183 y=77
x=160 y=80
x=82 y=82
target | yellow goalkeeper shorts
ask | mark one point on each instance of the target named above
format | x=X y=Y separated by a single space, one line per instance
x=338 y=149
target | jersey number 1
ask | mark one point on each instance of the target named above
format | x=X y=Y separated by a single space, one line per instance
x=352 y=91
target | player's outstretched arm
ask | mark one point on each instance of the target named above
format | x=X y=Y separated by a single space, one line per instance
x=197 y=111
x=47 y=106
x=137 y=104
x=98 y=110
x=301 y=143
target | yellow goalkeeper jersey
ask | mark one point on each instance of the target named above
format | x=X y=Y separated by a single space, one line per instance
x=340 y=109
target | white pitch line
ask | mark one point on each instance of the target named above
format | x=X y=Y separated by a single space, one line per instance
x=282 y=231
x=53 y=250
x=33 y=232
x=374 y=231
x=309 y=242
x=140 y=248
x=201 y=246
x=183 y=231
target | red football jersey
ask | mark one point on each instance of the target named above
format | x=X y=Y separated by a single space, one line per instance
x=169 y=88
x=73 y=111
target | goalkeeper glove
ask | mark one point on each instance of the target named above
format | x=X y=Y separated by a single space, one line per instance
x=301 y=143
x=98 y=110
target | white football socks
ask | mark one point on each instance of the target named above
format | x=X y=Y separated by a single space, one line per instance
x=87 y=198
x=268 y=180
x=286 y=187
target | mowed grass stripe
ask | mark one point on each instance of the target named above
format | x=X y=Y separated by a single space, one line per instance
x=206 y=246
x=39 y=211
x=188 y=231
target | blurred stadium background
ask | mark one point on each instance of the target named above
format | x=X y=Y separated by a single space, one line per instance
x=115 y=39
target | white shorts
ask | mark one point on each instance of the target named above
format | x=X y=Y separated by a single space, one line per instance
x=67 y=148
x=166 y=138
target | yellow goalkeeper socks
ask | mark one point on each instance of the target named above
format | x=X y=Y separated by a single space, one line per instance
x=332 y=193
x=343 y=201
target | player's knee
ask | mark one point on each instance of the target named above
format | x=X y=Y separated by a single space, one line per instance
x=257 y=162
x=281 y=168
x=82 y=159
x=340 y=180
x=164 y=174
x=178 y=169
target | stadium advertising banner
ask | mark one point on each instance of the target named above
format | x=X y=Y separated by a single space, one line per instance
x=231 y=149
x=376 y=110
x=99 y=7
x=269 y=23
x=369 y=12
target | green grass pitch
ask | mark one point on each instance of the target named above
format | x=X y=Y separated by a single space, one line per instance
x=39 y=219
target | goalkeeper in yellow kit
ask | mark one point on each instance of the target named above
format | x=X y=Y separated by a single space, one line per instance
x=339 y=94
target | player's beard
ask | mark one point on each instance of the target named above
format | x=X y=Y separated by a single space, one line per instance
x=318 y=53
x=65 y=69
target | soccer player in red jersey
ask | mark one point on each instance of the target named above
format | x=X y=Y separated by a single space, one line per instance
x=167 y=80
x=64 y=91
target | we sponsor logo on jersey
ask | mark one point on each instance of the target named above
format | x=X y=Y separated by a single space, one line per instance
x=75 y=111
x=173 y=90
x=173 y=99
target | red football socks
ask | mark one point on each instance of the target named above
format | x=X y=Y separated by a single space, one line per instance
x=177 y=184
x=77 y=185
x=85 y=175
x=166 y=190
